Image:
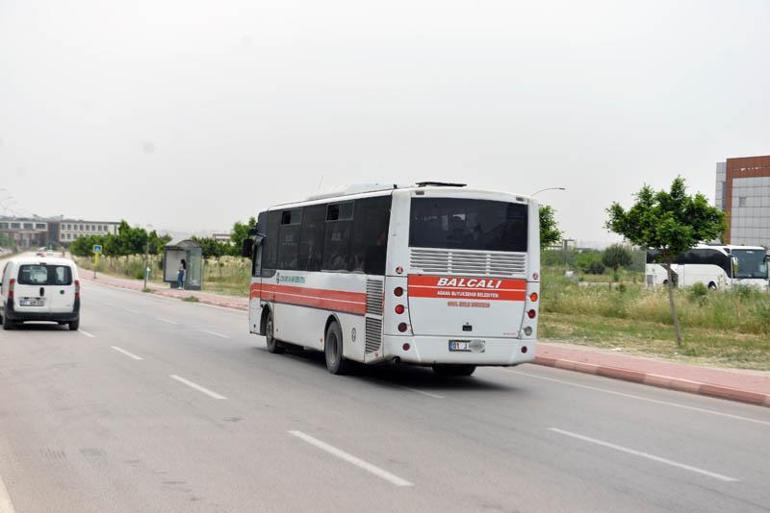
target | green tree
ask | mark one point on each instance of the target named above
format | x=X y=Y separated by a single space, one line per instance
x=669 y=222
x=615 y=257
x=239 y=234
x=549 y=229
x=212 y=248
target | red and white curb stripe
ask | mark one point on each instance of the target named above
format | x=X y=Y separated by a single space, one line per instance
x=657 y=380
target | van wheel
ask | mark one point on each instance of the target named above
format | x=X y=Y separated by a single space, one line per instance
x=333 y=351
x=451 y=371
x=273 y=346
x=74 y=325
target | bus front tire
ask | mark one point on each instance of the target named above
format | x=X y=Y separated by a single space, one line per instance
x=333 y=351
x=451 y=371
x=273 y=346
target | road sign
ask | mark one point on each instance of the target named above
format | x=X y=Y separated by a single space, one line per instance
x=97 y=248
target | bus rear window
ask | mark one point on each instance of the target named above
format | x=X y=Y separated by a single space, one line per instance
x=45 y=275
x=459 y=223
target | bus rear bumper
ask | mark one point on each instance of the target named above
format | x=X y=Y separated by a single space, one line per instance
x=424 y=350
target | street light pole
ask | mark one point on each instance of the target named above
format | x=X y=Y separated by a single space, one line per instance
x=548 y=189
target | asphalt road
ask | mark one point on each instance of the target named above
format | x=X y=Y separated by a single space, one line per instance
x=158 y=405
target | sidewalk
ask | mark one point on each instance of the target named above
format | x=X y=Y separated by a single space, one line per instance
x=738 y=385
x=239 y=303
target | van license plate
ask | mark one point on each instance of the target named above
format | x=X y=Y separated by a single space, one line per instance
x=31 y=301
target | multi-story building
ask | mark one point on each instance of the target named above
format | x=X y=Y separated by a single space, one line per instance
x=25 y=232
x=32 y=232
x=743 y=193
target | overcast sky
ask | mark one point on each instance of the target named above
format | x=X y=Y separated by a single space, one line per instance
x=189 y=115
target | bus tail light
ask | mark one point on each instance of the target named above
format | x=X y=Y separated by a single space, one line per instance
x=398 y=291
x=402 y=327
x=531 y=313
x=406 y=346
x=533 y=297
x=399 y=309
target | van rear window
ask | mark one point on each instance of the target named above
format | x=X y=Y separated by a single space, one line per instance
x=42 y=274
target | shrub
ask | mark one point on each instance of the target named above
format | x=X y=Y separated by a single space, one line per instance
x=595 y=267
x=698 y=293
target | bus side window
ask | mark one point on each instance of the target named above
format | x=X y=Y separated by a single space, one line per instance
x=339 y=221
x=311 y=240
x=270 y=243
x=288 y=246
x=256 y=249
x=368 y=246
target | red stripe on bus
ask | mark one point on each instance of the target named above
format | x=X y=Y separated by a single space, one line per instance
x=464 y=287
x=337 y=300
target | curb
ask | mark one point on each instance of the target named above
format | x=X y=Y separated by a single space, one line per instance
x=656 y=380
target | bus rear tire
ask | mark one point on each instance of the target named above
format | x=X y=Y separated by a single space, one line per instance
x=333 y=351
x=712 y=286
x=452 y=371
x=273 y=346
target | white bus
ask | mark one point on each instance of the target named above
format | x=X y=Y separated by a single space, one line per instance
x=714 y=266
x=433 y=274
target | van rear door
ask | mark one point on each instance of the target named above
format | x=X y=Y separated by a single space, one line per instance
x=30 y=294
x=60 y=289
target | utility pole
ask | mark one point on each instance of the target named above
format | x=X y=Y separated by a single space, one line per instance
x=146 y=256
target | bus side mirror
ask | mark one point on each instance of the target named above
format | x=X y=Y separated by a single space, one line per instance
x=247 y=248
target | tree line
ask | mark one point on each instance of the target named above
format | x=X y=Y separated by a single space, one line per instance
x=129 y=240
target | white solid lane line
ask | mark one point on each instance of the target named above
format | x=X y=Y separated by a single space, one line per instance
x=434 y=396
x=640 y=398
x=127 y=353
x=89 y=335
x=161 y=319
x=377 y=471
x=220 y=335
x=646 y=455
x=197 y=387
x=6 y=506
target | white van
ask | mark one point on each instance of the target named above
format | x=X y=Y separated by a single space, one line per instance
x=40 y=289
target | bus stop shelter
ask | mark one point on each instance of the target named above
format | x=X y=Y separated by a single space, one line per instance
x=191 y=252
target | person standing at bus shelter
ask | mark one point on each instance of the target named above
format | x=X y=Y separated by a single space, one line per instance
x=181 y=274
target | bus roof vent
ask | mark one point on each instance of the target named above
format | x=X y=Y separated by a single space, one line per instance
x=440 y=184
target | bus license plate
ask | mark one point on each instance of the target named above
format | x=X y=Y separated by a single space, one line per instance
x=468 y=346
x=460 y=345
x=31 y=301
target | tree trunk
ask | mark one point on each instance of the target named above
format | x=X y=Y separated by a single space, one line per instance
x=672 y=305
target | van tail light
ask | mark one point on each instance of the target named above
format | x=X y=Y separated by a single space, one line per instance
x=11 y=286
x=77 y=289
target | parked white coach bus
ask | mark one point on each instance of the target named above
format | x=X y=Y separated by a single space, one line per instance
x=713 y=266
x=433 y=274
